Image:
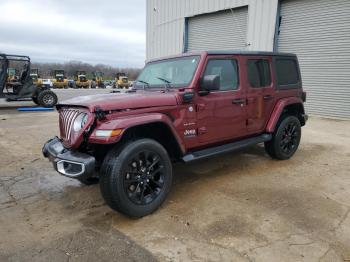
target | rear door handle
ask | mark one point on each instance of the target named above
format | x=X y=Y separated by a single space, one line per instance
x=268 y=97
x=238 y=101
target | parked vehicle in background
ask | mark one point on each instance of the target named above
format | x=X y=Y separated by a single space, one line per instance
x=71 y=83
x=184 y=108
x=98 y=78
x=12 y=75
x=34 y=74
x=60 y=80
x=108 y=83
x=22 y=87
x=121 y=81
x=47 y=83
x=80 y=80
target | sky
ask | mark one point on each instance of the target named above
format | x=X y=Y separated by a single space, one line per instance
x=110 y=32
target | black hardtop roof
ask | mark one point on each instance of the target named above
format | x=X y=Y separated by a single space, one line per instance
x=240 y=52
x=224 y=52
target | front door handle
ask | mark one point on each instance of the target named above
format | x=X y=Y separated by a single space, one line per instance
x=202 y=130
x=238 y=101
x=268 y=97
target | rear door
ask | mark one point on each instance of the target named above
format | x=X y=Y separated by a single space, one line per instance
x=221 y=114
x=260 y=92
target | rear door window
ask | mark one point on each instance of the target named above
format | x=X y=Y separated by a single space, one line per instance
x=259 y=74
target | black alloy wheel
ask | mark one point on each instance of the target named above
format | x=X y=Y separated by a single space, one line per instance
x=289 y=138
x=143 y=177
x=286 y=138
x=136 y=177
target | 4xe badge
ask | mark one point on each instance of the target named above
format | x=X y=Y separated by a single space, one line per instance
x=190 y=133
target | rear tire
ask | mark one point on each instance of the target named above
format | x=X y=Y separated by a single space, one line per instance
x=285 y=140
x=47 y=98
x=136 y=178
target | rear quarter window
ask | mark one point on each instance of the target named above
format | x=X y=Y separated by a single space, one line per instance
x=287 y=73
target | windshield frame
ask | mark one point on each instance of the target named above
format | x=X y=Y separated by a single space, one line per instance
x=140 y=85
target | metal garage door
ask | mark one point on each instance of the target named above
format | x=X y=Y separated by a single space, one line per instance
x=220 y=30
x=319 y=32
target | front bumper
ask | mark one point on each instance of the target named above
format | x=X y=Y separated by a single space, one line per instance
x=67 y=162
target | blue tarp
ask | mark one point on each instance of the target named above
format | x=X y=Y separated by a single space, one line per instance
x=31 y=109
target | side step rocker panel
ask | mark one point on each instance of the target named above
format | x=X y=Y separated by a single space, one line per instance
x=208 y=152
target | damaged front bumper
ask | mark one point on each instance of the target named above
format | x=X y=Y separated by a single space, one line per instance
x=68 y=162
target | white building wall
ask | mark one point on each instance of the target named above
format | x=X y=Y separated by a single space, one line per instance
x=166 y=23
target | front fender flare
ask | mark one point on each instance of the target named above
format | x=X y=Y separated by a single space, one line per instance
x=127 y=122
x=278 y=110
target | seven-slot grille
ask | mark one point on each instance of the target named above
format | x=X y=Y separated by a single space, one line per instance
x=66 y=120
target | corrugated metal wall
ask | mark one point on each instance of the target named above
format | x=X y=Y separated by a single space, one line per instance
x=166 y=23
x=318 y=31
x=206 y=32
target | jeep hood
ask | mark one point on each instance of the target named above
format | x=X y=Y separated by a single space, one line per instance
x=120 y=101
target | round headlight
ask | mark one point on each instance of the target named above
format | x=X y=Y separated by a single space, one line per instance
x=80 y=122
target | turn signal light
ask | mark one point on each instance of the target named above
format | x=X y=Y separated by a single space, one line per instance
x=108 y=133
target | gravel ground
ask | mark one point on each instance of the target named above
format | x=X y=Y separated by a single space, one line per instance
x=241 y=206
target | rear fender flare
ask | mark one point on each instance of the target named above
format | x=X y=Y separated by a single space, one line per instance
x=128 y=122
x=278 y=110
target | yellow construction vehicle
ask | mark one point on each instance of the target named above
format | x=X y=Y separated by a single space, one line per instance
x=98 y=80
x=60 y=80
x=121 y=81
x=80 y=80
x=34 y=74
x=12 y=75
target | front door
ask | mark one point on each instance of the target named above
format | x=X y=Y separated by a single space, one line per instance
x=221 y=114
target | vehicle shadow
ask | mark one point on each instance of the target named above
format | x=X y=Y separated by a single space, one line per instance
x=232 y=163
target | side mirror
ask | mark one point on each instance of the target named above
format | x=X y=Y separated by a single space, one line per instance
x=209 y=83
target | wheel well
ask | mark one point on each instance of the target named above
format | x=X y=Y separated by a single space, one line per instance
x=295 y=110
x=157 y=131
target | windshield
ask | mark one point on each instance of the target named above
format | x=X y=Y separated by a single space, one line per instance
x=176 y=72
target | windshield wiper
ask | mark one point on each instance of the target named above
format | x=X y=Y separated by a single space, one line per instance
x=143 y=82
x=167 y=83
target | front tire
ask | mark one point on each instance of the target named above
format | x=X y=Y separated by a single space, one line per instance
x=136 y=178
x=285 y=140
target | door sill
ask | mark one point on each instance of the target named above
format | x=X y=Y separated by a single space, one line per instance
x=213 y=151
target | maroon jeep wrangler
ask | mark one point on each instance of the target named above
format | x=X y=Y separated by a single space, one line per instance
x=186 y=108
